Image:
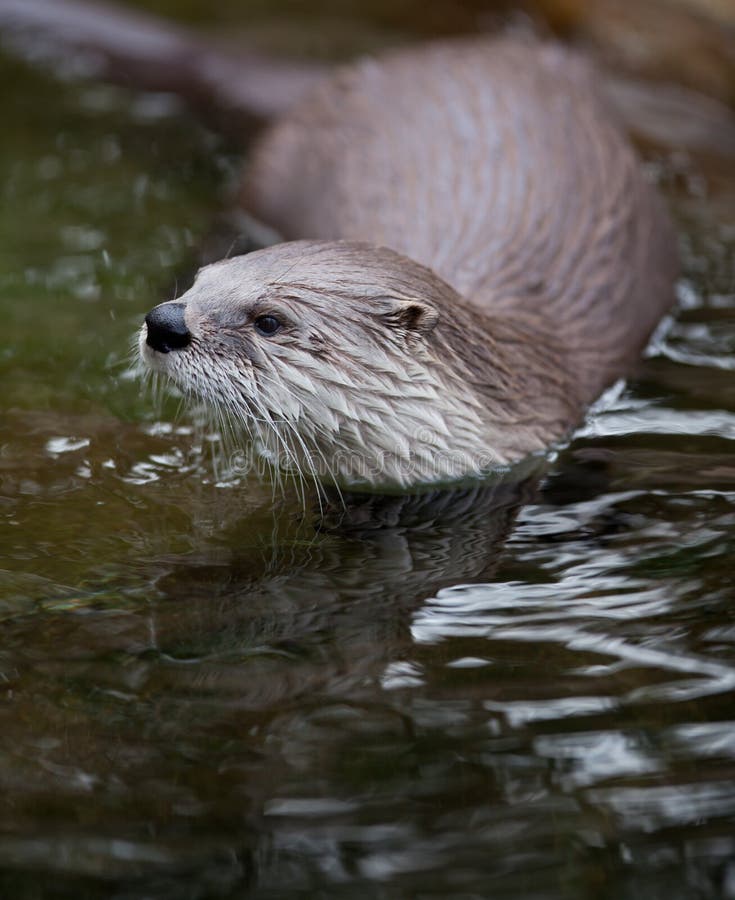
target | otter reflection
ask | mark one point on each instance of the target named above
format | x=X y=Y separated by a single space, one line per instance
x=201 y=700
x=356 y=573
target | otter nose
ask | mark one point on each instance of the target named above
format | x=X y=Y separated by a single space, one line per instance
x=166 y=327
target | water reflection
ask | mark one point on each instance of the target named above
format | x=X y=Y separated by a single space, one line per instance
x=370 y=706
x=222 y=686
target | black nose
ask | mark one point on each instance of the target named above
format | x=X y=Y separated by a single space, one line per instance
x=166 y=328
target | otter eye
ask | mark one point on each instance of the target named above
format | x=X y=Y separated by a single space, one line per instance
x=267 y=325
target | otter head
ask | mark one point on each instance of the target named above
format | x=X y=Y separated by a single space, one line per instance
x=325 y=354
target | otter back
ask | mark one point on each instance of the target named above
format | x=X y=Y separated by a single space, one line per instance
x=495 y=163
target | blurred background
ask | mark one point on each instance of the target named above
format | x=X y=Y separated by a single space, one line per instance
x=687 y=41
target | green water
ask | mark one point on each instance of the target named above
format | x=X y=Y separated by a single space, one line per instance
x=526 y=692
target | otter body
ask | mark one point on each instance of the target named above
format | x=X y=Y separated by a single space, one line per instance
x=472 y=255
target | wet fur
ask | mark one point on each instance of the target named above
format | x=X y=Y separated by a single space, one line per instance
x=529 y=262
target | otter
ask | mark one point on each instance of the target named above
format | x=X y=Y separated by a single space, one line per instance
x=472 y=255
x=470 y=251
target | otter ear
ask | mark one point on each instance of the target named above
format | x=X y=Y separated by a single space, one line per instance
x=411 y=315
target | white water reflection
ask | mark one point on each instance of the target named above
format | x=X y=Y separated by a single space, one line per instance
x=652 y=807
x=575 y=614
x=584 y=758
x=631 y=417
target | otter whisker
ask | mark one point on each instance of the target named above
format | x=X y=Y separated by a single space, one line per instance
x=310 y=464
x=289 y=453
x=307 y=453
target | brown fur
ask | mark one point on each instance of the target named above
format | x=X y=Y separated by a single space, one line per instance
x=529 y=262
x=496 y=164
x=529 y=258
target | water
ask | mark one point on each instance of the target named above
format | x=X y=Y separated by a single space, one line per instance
x=521 y=692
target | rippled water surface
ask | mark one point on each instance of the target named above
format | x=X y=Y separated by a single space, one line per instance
x=517 y=692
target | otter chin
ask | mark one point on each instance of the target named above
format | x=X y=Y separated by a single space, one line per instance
x=472 y=255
